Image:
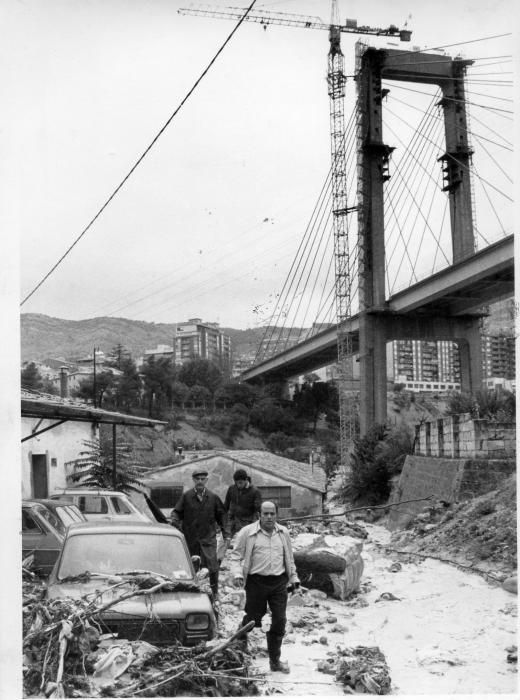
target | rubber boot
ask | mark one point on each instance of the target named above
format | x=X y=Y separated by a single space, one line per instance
x=274 y=646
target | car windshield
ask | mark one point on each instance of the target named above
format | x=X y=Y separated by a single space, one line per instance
x=68 y=515
x=113 y=553
x=52 y=519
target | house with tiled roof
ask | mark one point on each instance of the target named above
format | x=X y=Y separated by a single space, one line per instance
x=298 y=488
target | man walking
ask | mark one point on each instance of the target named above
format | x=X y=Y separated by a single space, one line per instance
x=263 y=559
x=197 y=513
x=242 y=502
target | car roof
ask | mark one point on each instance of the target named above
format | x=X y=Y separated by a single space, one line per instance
x=124 y=527
x=48 y=503
x=81 y=491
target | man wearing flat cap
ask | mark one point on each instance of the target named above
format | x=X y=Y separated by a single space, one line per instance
x=198 y=513
x=242 y=501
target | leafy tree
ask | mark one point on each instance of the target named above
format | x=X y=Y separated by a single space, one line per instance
x=105 y=383
x=180 y=393
x=234 y=393
x=128 y=385
x=494 y=404
x=117 y=356
x=94 y=467
x=158 y=378
x=279 y=442
x=31 y=378
x=368 y=479
x=201 y=372
x=268 y=416
x=199 y=395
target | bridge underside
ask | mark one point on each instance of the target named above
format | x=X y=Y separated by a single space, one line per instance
x=442 y=307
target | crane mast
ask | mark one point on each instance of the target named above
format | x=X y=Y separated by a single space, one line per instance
x=336 y=81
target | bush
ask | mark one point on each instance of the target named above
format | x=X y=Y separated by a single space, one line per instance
x=279 y=442
x=368 y=480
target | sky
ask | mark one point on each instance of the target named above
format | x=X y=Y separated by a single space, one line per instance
x=209 y=223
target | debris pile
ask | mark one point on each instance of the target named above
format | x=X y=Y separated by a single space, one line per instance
x=327 y=526
x=360 y=669
x=65 y=655
x=481 y=531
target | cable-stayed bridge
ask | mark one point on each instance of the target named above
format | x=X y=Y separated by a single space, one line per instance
x=428 y=236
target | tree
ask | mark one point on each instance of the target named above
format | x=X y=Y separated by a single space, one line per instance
x=233 y=393
x=95 y=466
x=105 y=383
x=31 y=378
x=368 y=479
x=158 y=378
x=180 y=393
x=128 y=385
x=201 y=372
x=493 y=404
x=199 y=395
x=117 y=356
x=268 y=416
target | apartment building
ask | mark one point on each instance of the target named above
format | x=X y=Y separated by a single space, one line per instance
x=195 y=339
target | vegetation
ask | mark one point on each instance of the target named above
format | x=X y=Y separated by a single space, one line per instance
x=493 y=404
x=377 y=457
x=94 y=468
x=31 y=379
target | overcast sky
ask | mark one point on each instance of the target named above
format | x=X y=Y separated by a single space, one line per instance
x=209 y=223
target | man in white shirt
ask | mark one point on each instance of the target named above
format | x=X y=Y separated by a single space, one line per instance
x=263 y=559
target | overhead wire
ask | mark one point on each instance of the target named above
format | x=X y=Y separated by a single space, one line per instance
x=143 y=155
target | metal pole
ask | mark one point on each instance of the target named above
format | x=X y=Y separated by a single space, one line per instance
x=114 y=455
x=94 y=383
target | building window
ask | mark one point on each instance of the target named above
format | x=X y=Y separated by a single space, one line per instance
x=166 y=496
x=281 y=495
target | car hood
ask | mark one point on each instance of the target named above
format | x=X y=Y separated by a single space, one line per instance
x=175 y=604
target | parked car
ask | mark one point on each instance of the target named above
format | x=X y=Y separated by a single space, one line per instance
x=97 y=555
x=44 y=523
x=102 y=504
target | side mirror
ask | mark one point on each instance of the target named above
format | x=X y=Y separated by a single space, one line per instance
x=196 y=561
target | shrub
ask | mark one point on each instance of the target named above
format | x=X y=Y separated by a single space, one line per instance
x=368 y=479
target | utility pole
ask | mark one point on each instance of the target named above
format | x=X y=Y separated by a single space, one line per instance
x=94 y=386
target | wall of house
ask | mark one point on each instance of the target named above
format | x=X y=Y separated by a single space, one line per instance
x=60 y=445
x=304 y=501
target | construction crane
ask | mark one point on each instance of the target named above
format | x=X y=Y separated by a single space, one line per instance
x=336 y=81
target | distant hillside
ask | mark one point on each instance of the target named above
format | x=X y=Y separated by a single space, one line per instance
x=44 y=336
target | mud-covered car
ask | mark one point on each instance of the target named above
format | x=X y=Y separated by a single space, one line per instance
x=44 y=523
x=111 y=557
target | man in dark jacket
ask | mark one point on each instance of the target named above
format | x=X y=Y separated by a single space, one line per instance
x=197 y=513
x=242 y=502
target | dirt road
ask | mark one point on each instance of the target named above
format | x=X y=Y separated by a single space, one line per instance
x=447 y=632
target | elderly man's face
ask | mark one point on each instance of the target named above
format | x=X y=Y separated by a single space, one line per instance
x=268 y=516
x=200 y=482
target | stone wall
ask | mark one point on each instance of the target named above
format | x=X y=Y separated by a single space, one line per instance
x=462 y=436
x=449 y=480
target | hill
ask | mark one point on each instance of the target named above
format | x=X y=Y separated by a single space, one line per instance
x=43 y=336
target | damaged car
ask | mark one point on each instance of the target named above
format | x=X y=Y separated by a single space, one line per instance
x=106 y=561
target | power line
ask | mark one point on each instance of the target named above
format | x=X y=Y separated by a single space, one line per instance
x=143 y=155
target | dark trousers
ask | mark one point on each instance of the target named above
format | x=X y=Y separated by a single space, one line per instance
x=262 y=591
x=208 y=558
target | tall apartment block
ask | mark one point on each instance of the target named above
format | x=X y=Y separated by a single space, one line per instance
x=195 y=339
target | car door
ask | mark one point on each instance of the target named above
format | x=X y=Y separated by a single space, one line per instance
x=40 y=539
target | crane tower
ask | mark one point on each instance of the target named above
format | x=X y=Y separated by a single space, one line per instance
x=336 y=80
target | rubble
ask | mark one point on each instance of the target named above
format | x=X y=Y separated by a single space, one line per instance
x=64 y=655
x=361 y=669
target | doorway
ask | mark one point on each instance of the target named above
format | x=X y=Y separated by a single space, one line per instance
x=39 y=476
